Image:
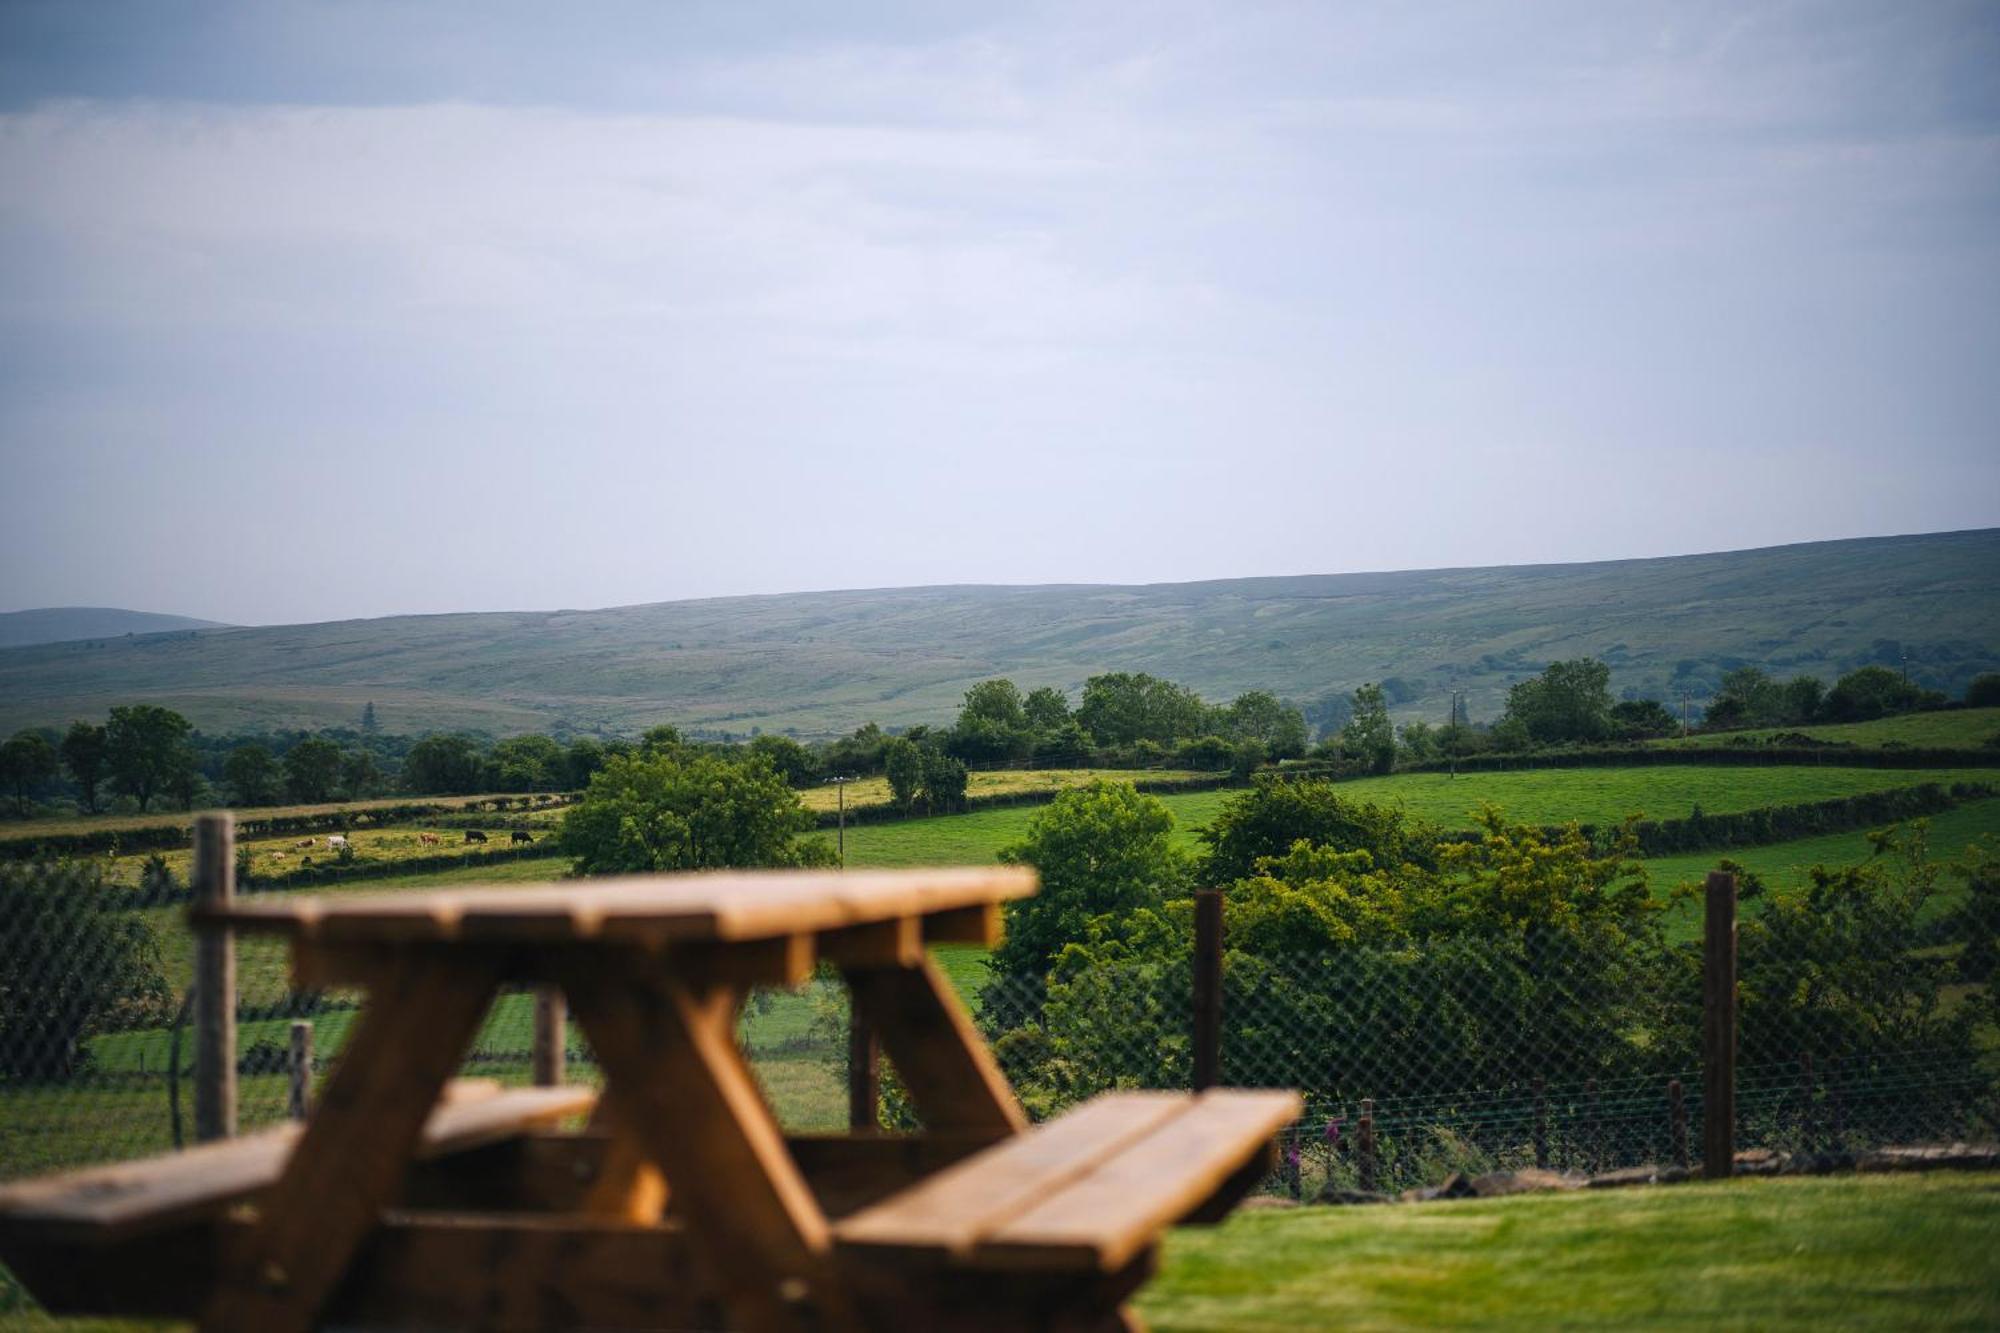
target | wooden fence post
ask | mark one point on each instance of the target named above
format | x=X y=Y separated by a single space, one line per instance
x=1207 y=988
x=1364 y=1147
x=299 y=1065
x=864 y=1075
x=1677 y=1123
x=1718 y=1074
x=214 y=885
x=551 y=1051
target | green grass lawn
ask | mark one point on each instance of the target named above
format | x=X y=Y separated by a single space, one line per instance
x=1830 y=1252
x=1957 y=728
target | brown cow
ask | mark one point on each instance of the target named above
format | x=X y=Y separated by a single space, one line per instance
x=430 y=839
x=304 y=843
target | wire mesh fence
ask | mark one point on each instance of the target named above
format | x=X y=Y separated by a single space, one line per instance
x=1555 y=1048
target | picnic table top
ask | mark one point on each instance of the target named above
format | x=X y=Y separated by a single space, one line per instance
x=711 y=906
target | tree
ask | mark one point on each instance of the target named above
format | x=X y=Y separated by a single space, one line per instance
x=1984 y=691
x=663 y=739
x=1259 y=716
x=77 y=961
x=1642 y=719
x=254 y=777
x=1122 y=708
x=1275 y=815
x=360 y=774
x=583 y=758
x=1368 y=738
x=1417 y=742
x=1046 y=710
x=1872 y=692
x=368 y=723
x=1099 y=849
x=945 y=779
x=903 y=764
x=794 y=762
x=27 y=760
x=85 y=753
x=312 y=770
x=526 y=763
x=992 y=724
x=1569 y=703
x=444 y=764
x=687 y=811
x=185 y=782
x=146 y=745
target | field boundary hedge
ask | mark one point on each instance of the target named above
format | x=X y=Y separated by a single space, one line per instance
x=250 y=826
x=1701 y=832
x=885 y=812
x=334 y=873
x=1769 y=756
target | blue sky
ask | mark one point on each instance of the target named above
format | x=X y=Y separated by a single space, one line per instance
x=321 y=310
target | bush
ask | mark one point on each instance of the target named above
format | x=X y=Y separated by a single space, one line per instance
x=73 y=963
x=677 y=810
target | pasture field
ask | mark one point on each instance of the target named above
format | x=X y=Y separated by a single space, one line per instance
x=273 y=857
x=14 y=830
x=1871 y=1251
x=996 y=782
x=1948 y=729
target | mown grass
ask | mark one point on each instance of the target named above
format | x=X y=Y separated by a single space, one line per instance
x=1828 y=1252
x=1951 y=729
x=999 y=782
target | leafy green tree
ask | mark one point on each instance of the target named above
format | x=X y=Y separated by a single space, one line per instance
x=254 y=777
x=146 y=748
x=1417 y=742
x=1872 y=692
x=687 y=811
x=442 y=763
x=1642 y=719
x=76 y=962
x=1066 y=746
x=1209 y=754
x=583 y=758
x=1260 y=716
x=1984 y=691
x=945 y=780
x=360 y=774
x=859 y=753
x=1275 y=814
x=992 y=724
x=1123 y=708
x=368 y=722
x=527 y=763
x=663 y=739
x=1368 y=738
x=185 y=782
x=27 y=760
x=1100 y=849
x=1569 y=703
x=1046 y=710
x=312 y=770
x=792 y=760
x=86 y=754
x=903 y=763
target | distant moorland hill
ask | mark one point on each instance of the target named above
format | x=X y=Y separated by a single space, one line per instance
x=65 y=624
x=816 y=663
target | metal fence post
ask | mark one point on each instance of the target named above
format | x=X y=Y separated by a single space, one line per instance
x=1718 y=1014
x=551 y=1036
x=299 y=1065
x=1207 y=988
x=214 y=884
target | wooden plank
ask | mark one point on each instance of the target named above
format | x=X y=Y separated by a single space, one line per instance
x=947 y=1215
x=781 y=960
x=648 y=910
x=103 y=1203
x=1102 y=1219
x=979 y=924
x=523 y=1272
x=682 y=1088
x=356 y=1150
x=944 y=1063
x=898 y=942
x=213 y=883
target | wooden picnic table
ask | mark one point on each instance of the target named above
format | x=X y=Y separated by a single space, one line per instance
x=682 y=1203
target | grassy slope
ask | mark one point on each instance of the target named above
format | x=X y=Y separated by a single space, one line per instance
x=1956 y=728
x=27 y=829
x=828 y=661
x=1831 y=1252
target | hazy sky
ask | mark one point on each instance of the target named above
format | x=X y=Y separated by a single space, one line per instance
x=315 y=310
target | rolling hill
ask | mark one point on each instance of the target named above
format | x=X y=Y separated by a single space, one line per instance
x=822 y=662
x=63 y=624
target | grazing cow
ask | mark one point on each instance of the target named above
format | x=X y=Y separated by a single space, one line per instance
x=334 y=842
x=277 y=856
x=430 y=839
x=522 y=835
x=474 y=835
x=305 y=844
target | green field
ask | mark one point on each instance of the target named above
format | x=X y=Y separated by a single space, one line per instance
x=1950 y=729
x=27 y=830
x=1888 y=1252
x=1000 y=782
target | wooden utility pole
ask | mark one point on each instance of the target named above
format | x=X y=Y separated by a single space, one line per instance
x=1718 y=1074
x=214 y=980
x=1207 y=988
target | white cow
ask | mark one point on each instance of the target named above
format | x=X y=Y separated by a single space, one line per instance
x=335 y=842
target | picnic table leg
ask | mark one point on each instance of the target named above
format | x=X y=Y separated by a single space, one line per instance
x=940 y=1056
x=352 y=1159
x=684 y=1092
